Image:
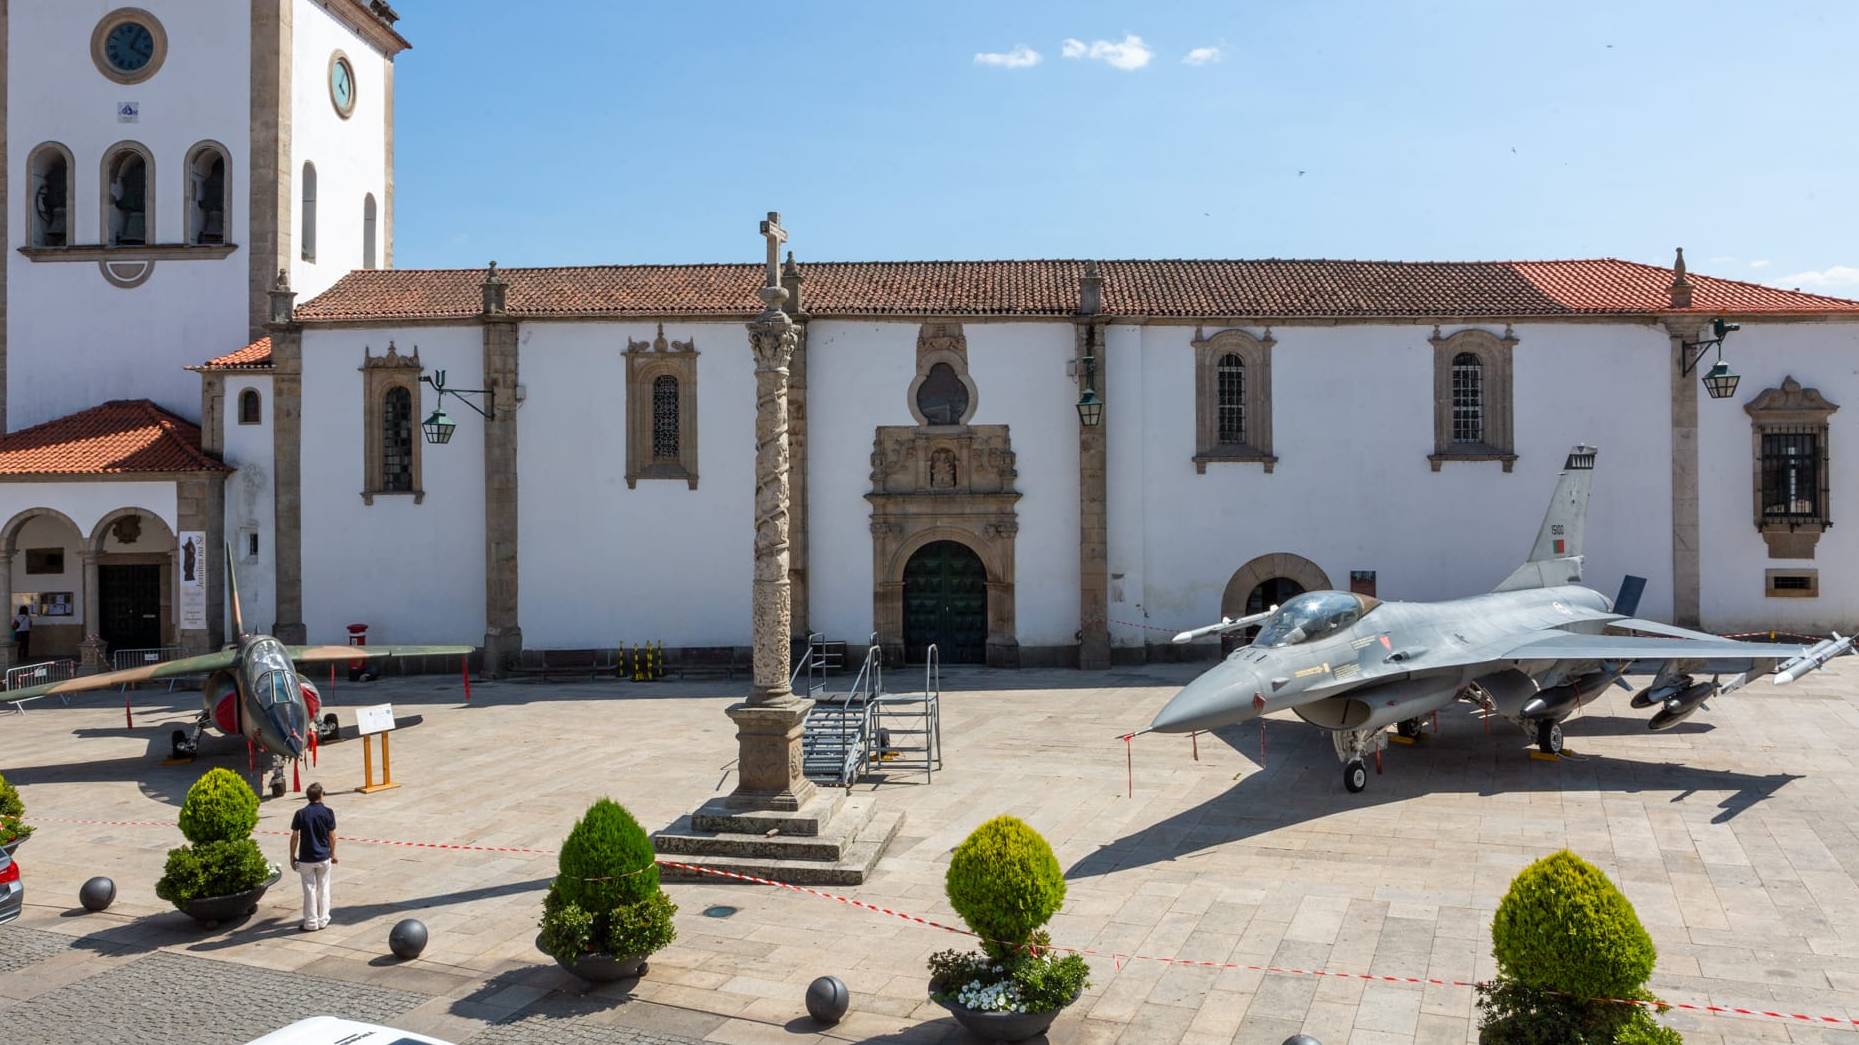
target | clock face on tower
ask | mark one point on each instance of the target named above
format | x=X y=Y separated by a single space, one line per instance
x=341 y=85
x=129 y=46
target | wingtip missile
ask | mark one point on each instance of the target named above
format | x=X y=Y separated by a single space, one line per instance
x=1813 y=658
x=1226 y=624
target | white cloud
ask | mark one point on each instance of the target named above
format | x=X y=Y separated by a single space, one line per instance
x=1202 y=56
x=1722 y=259
x=1760 y=263
x=1129 y=55
x=1835 y=277
x=1021 y=57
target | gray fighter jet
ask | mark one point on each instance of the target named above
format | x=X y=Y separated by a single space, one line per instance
x=1533 y=652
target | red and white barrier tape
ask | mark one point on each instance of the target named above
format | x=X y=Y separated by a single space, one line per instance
x=1117 y=958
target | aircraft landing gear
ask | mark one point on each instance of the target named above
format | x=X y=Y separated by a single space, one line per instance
x=1408 y=727
x=1548 y=737
x=327 y=729
x=186 y=742
x=1353 y=746
x=277 y=777
x=1355 y=776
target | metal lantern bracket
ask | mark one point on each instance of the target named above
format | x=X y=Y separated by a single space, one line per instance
x=1694 y=350
x=437 y=381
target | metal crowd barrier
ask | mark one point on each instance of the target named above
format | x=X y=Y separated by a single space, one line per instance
x=38 y=675
x=141 y=658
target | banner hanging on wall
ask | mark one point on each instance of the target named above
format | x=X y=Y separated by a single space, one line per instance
x=193 y=580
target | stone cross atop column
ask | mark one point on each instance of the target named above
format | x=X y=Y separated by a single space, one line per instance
x=771 y=228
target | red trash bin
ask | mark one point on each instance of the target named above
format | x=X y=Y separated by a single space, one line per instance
x=358 y=636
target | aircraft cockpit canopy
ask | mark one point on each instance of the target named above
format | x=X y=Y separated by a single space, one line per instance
x=1312 y=616
x=276 y=688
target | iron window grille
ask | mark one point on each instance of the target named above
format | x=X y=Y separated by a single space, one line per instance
x=1468 y=399
x=397 y=441
x=1793 y=471
x=1230 y=379
x=665 y=418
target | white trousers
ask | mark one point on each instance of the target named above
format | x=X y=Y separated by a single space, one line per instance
x=315 y=893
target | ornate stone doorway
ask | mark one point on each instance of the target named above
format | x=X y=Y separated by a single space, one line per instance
x=946 y=604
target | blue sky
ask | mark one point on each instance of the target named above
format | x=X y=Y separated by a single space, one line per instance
x=577 y=131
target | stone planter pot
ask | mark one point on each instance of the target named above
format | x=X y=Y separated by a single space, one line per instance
x=209 y=911
x=601 y=968
x=1002 y=1026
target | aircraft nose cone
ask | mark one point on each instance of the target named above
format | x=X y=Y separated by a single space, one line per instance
x=1223 y=694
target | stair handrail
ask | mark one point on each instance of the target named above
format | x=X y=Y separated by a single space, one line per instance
x=810 y=663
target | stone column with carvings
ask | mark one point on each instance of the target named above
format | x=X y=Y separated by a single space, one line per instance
x=768 y=724
x=90 y=651
x=503 y=633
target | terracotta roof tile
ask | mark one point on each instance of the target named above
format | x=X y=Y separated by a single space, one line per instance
x=1185 y=288
x=255 y=356
x=121 y=437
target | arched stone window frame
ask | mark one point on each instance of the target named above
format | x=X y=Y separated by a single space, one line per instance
x=306 y=211
x=1255 y=355
x=190 y=232
x=251 y=407
x=1494 y=354
x=379 y=375
x=369 y=226
x=942 y=343
x=34 y=230
x=106 y=205
x=1791 y=411
x=646 y=362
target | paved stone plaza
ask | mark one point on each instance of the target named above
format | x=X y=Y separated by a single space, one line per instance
x=1735 y=835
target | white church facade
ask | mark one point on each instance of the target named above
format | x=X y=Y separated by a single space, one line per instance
x=1265 y=426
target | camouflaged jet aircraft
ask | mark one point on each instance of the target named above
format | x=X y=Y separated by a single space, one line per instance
x=1533 y=651
x=252 y=688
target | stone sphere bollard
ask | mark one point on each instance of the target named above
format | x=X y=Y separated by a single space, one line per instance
x=97 y=894
x=828 y=999
x=407 y=939
x=1302 y=1039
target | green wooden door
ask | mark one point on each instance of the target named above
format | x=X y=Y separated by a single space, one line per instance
x=946 y=604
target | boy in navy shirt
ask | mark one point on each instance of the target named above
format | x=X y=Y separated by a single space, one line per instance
x=312 y=852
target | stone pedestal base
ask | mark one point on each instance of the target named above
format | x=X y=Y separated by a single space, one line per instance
x=768 y=766
x=90 y=656
x=831 y=839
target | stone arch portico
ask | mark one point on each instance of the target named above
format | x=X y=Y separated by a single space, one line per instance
x=991 y=538
x=1307 y=574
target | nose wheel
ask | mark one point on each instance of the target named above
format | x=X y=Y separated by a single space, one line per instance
x=1355 y=776
x=1549 y=737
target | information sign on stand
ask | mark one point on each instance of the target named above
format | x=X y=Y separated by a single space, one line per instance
x=369 y=721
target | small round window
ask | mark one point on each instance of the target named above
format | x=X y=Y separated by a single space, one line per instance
x=942 y=398
x=128 y=45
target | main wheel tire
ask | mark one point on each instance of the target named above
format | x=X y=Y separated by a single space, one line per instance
x=1355 y=776
x=277 y=787
x=1408 y=727
x=329 y=728
x=178 y=740
x=1549 y=737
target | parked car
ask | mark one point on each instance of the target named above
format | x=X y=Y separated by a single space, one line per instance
x=12 y=888
x=331 y=1030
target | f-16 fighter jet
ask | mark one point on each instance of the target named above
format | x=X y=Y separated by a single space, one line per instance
x=1533 y=652
x=252 y=688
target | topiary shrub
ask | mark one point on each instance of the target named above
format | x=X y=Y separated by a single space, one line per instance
x=12 y=827
x=217 y=817
x=1570 y=950
x=1005 y=883
x=220 y=806
x=606 y=898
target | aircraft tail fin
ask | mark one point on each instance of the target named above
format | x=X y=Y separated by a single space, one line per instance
x=1556 y=556
x=232 y=583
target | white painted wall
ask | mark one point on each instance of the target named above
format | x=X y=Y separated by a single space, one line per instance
x=602 y=564
x=1353 y=424
x=858 y=378
x=1818 y=355
x=415 y=572
x=350 y=154
x=133 y=342
x=251 y=505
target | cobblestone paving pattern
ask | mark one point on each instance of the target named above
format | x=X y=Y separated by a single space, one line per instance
x=565 y=1021
x=22 y=947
